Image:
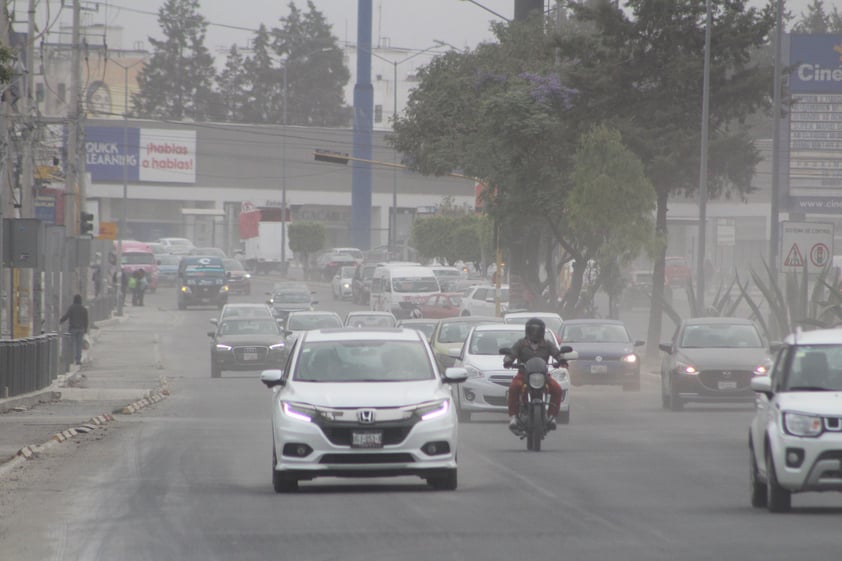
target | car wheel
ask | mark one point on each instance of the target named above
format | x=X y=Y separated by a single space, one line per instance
x=758 y=488
x=676 y=404
x=778 y=499
x=632 y=385
x=665 y=398
x=465 y=313
x=280 y=483
x=446 y=482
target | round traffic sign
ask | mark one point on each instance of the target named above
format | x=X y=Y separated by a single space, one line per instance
x=820 y=255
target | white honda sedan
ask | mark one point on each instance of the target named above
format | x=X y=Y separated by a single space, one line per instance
x=362 y=403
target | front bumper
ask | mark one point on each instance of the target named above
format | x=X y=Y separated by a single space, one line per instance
x=820 y=468
x=233 y=360
x=714 y=386
x=334 y=457
x=605 y=372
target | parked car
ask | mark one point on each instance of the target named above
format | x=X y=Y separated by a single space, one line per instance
x=239 y=280
x=606 y=352
x=425 y=326
x=361 y=283
x=366 y=319
x=676 y=271
x=451 y=333
x=357 y=403
x=480 y=300
x=487 y=386
x=437 y=306
x=246 y=343
x=342 y=282
x=795 y=436
x=714 y=360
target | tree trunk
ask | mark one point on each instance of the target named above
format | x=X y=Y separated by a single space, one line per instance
x=653 y=337
x=571 y=298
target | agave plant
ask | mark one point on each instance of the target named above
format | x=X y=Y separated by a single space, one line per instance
x=796 y=303
x=722 y=305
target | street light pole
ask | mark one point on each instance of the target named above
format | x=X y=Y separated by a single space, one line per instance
x=284 y=177
x=703 y=170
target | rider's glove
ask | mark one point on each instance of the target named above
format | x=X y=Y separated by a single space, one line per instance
x=508 y=363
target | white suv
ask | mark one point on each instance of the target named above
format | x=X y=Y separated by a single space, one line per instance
x=480 y=300
x=795 y=440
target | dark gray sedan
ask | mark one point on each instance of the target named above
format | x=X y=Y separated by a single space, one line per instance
x=712 y=359
x=246 y=344
x=606 y=353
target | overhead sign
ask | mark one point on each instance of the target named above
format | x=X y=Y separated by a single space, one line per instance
x=806 y=245
x=815 y=122
x=143 y=155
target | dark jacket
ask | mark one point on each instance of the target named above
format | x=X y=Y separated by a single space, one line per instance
x=522 y=350
x=77 y=315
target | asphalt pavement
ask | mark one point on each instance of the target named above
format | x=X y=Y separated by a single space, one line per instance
x=120 y=374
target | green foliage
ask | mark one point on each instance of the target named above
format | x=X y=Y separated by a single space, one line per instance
x=818 y=20
x=230 y=83
x=6 y=64
x=306 y=238
x=450 y=237
x=177 y=82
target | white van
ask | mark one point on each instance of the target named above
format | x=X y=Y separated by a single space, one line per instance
x=396 y=288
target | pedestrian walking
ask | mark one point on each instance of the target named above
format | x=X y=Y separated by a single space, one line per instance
x=132 y=286
x=142 y=285
x=77 y=318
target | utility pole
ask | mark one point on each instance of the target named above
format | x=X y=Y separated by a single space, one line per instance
x=5 y=297
x=73 y=201
x=29 y=300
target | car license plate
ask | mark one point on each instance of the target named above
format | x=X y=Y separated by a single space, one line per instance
x=250 y=356
x=599 y=369
x=727 y=385
x=367 y=439
x=205 y=299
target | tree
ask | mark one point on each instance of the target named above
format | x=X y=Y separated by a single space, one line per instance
x=817 y=20
x=450 y=237
x=306 y=238
x=610 y=206
x=177 y=82
x=264 y=89
x=230 y=84
x=640 y=70
x=316 y=73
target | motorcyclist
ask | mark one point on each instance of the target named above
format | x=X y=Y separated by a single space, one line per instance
x=532 y=345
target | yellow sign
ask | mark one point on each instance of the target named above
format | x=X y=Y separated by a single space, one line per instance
x=107 y=231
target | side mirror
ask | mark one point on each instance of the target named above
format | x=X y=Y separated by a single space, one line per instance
x=455 y=352
x=566 y=349
x=455 y=375
x=272 y=378
x=211 y=334
x=762 y=384
x=666 y=347
x=639 y=343
x=213 y=320
x=490 y=299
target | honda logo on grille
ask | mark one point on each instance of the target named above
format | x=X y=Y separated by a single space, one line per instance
x=366 y=416
x=726 y=373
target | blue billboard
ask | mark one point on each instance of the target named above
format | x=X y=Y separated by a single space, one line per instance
x=816 y=62
x=105 y=153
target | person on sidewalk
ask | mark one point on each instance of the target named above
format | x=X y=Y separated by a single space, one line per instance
x=77 y=318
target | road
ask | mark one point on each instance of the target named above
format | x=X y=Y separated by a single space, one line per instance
x=189 y=479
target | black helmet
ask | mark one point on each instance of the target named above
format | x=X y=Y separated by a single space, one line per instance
x=535 y=329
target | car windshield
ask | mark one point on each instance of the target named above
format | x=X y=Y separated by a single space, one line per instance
x=245 y=311
x=291 y=297
x=347 y=272
x=552 y=323
x=814 y=368
x=199 y=269
x=415 y=284
x=490 y=342
x=724 y=336
x=363 y=361
x=138 y=258
x=249 y=327
x=594 y=333
x=354 y=253
x=456 y=331
x=365 y=320
x=179 y=243
x=304 y=322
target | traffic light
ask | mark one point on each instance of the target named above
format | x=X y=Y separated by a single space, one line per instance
x=86 y=223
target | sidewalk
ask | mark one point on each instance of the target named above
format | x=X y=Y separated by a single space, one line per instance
x=120 y=374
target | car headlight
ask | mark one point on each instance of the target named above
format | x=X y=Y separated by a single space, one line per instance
x=473 y=372
x=799 y=424
x=346 y=285
x=300 y=411
x=185 y=289
x=763 y=369
x=631 y=359
x=224 y=288
x=248 y=275
x=685 y=368
x=433 y=410
x=221 y=347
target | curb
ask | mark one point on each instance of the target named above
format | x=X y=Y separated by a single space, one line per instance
x=32 y=451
